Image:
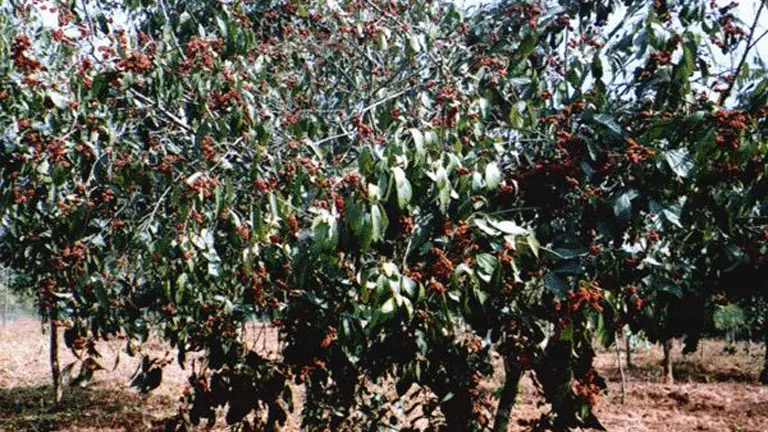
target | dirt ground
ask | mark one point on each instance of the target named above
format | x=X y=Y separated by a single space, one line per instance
x=714 y=391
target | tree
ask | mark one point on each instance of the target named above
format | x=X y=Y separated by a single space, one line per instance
x=757 y=317
x=399 y=188
x=729 y=319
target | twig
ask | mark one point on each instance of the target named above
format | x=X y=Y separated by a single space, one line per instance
x=147 y=101
x=332 y=137
x=384 y=100
x=173 y=33
x=727 y=92
x=757 y=39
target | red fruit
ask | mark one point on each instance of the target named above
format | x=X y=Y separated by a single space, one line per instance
x=639 y=303
x=293 y=223
x=436 y=287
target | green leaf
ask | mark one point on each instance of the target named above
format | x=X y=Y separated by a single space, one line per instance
x=673 y=289
x=418 y=138
x=301 y=11
x=533 y=243
x=444 y=187
x=492 y=176
x=58 y=99
x=679 y=161
x=221 y=23
x=365 y=161
x=181 y=283
x=622 y=205
x=415 y=43
x=402 y=187
x=555 y=285
x=597 y=66
x=487 y=265
x=685 y=68
x=378 y=223
x=486 y=227
x=509 y=227
x=672 y=214
x=528 y=44
x=388 y=307
x=419 y=141
x=326 y=233
x=610 y=123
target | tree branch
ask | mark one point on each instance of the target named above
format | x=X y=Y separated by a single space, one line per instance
x=147 y=101
x=727 y=92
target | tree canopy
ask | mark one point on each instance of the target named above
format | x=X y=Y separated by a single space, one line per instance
x=401 y=188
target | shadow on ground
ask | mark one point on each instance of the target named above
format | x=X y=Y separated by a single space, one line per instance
x=685 y=370
x=96 y=408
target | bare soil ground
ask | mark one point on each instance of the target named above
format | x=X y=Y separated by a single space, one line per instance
x=714 y=391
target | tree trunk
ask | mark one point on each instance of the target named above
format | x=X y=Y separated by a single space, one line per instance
x=764 y=373
x=6 y=289
x=628 y=344
x=621 y=370
x=458 y=412
x=749 y=341
x=667 y=362
x=513 y=373
x=54 y=351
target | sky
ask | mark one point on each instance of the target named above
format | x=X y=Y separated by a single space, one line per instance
x=745 y=12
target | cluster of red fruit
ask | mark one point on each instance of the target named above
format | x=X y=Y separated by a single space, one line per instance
x=364 y=130
x=244 y=232
x=166 y=166
x=586 y=293
x=207 y=147
x=66 y=16
x=262 y=185
x=633 y=298
x=219 y=100
x=255 y=293
x=587 y=388
x=530 y=12
x=481 y=402
x=57 y=153
x=441 y=270
x=727 y=20
x=199 y=53
x=204 y=185
x=69 y=256
x=21 y=60
x=22 y=196
x=496 y=66
x=136 y=61
x=58 y=35
x=330 y=337
x=562 y=118
x=637 y=153
x=46 y=292
x=585 y=39
x=293 y=223
x=731 y=124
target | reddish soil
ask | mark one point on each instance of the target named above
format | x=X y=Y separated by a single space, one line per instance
x=714 y=391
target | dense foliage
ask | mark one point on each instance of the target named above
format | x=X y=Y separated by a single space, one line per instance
x=402 y=189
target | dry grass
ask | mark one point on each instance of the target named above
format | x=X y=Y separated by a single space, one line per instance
x=106 y=404
x=715 y=391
